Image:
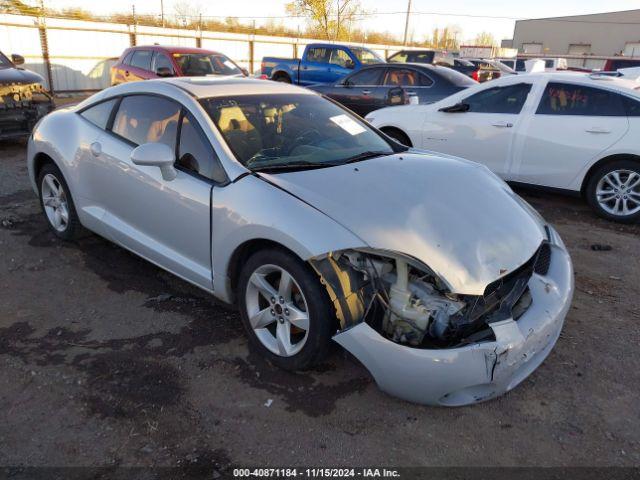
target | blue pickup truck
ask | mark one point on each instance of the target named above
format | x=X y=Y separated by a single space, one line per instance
x=320 y=63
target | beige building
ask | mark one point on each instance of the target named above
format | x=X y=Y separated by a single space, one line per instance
x=601 y=34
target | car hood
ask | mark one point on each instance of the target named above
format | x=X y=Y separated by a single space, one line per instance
x=10 y=76
x=453 y=215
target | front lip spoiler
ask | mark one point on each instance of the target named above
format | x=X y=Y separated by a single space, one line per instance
x=476 y=372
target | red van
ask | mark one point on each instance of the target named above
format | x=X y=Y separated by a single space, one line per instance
x=155 y=61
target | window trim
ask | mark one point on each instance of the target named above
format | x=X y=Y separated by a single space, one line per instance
x=613 y=92
x=100 y=102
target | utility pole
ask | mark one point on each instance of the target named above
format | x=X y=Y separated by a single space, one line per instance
x=406 y=23
x=162 y=12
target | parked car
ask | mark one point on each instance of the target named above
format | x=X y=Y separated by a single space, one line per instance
x=320 y=63
x=516 y=64
x=317 y=226
x=427 y=56
x=443 y=59
x=615 y=64
x=23 y=98
x=569 y=131
x=497 y=68
x=155 y=61
x=382 y=85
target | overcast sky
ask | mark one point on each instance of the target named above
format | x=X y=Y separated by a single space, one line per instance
x=421 y=24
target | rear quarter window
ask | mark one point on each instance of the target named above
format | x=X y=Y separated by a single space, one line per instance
x=573 y=99
x=99 y=114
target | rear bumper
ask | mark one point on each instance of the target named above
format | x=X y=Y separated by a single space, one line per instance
x=477 y=372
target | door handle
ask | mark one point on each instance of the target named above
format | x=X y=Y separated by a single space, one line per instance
x=366 y=92
x=96 y=149
x=502 y=124
x=597 y=130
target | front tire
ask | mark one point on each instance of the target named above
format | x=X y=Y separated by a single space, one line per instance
x=285 y=310
x=613 y=191
x=56 y=203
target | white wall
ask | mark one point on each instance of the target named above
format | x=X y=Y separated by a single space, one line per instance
x=81 y=52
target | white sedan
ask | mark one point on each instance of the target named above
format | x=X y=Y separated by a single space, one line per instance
x=568 y=131
x=317 y=227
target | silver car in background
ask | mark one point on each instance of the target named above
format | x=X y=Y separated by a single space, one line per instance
x=447 y=286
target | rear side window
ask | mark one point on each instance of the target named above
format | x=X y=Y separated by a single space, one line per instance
x=99 y=114
x=317 y=54
x=143 y=119
x=631 y=106
x=509 y=99
x=141 y=59
x=366 y=77
x=402 y=77
x=400 y=57
x=162 y=61
x=422 y=57
x=195 y=153
x=127 y=59
x=568 y=99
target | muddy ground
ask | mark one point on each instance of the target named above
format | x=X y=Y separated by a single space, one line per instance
x=107 y=360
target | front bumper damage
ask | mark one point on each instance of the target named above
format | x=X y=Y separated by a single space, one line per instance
x=478 y=371
x=21 y=106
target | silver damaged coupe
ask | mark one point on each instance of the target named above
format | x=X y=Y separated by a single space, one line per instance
x=447 y=286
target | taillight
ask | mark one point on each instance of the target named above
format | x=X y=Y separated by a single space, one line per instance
x=476 y=75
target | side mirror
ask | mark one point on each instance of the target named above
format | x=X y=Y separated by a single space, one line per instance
x=245 y=72
x=17 y=59
x=156 y=155
x=457 y=108
x=164 y=72
x=350 y=64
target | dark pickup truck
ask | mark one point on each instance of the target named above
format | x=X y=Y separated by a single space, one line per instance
x=23 y=98
x=320 y=63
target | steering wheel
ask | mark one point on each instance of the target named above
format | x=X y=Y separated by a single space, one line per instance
x=304 y=137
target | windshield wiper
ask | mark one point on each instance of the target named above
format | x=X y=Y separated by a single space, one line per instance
x=290 y=167
x=365 y=156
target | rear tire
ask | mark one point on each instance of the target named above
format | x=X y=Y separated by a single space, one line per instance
x=285 y=310
x=613 y=191
x=57 y=204
x=398 y=135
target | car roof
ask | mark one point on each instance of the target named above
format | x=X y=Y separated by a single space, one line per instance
x=203 y=87
x=626 y=85
x=173 y=49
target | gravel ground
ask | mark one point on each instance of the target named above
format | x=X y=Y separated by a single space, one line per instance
x=107 y=360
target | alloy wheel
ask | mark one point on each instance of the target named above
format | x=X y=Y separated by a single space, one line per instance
x=54 y=200
x=618 y=192
x=277 y=310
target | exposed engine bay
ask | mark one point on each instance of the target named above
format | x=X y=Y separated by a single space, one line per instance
x=408 y=304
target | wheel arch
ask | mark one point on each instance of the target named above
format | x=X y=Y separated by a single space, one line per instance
x=240 y=256
x=604 y=161
x=281 y=73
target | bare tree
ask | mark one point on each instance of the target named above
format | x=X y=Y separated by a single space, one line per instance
x=331 y=19
x=485 y=39
x=187 y=12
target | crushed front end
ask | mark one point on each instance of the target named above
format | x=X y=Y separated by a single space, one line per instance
x=426 y=344
x=21 y=106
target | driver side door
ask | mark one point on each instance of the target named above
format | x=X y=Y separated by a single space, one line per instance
x=485 y=132
x=166 y=222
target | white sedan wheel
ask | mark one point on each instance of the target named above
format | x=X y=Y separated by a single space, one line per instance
x=54 y=200
x=618 y=192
